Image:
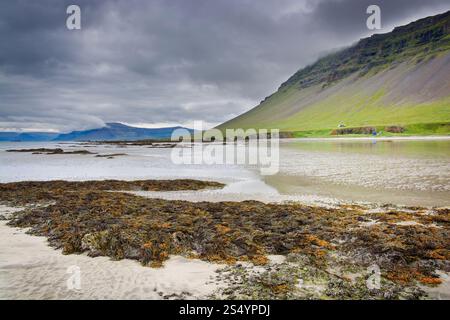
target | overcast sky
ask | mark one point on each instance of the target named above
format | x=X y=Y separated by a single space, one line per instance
x=165 y=62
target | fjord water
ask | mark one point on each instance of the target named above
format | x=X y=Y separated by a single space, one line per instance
x=399 y=171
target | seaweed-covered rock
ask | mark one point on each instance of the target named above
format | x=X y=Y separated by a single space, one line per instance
x=96 y=243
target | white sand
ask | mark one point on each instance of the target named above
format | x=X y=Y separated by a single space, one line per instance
x=441 y=292
x=30 y=269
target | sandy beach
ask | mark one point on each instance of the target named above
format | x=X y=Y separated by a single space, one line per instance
x=30 y=269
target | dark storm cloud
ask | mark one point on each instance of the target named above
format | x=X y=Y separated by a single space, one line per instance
x=341 y=16
x=163 y=61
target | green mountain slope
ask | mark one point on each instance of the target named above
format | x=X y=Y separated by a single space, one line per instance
x=400 y=78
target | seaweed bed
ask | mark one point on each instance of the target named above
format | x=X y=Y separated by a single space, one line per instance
x=407 y=244
x=50 y=151
x=61 y=151
x=111 y=155
x=147 y=142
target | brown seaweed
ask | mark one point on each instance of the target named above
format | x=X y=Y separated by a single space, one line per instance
x=87 y=217
x=51 y=151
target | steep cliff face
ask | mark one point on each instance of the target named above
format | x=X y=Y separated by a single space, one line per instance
x=398 y=78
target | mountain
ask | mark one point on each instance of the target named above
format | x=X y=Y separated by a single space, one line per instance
x=112 y=131
x=401 y=78
x=118 y=131
x=27 y=136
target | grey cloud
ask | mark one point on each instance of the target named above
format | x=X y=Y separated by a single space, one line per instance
x=164 y=61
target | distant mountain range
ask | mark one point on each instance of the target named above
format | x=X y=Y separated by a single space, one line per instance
x=401 y=78
x=27 y=136
x=112 y=131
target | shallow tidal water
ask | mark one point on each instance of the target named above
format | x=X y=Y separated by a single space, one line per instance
x=413 y=172
x=399 y=171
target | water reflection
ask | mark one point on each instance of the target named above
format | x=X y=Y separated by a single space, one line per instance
x=410 y=172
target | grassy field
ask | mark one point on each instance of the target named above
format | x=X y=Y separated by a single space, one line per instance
x=422 y=129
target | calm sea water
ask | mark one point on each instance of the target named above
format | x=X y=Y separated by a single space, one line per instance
x=409 y=172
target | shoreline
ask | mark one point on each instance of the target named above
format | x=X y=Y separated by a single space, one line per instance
x=31 y=269
x=309 y=138
x=330 y=248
